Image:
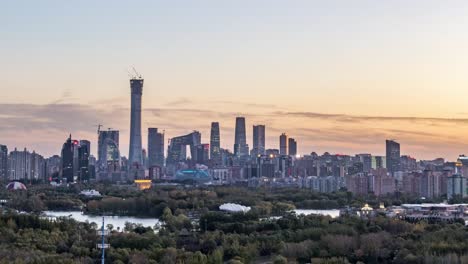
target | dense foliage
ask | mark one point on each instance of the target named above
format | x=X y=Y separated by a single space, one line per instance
x=195 y=231
x=237 y=238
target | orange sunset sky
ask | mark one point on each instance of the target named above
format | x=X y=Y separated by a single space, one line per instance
x=339 y=76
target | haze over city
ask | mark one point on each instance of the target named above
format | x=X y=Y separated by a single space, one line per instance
x=339 y=76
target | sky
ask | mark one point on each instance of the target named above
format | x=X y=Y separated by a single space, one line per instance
x=339 y=76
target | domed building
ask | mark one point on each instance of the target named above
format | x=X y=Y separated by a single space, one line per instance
x=15 y=186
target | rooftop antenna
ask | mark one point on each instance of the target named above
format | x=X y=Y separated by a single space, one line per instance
x=99 y=128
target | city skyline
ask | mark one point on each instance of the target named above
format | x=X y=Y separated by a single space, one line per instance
x=399 y=76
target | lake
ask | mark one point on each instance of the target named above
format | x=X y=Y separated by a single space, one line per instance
x=116 y=221
x=119 y=221
x=334 y=213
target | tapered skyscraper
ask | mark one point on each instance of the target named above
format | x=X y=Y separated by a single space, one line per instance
x=241 y=148
x=135 y=158
x=215 y=148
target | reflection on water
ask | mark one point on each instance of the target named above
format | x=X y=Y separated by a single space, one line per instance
x=332 y=212
x=116 y=221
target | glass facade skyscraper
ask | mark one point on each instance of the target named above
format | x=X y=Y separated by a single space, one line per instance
x=393 y=156
x=292 y=147
x=241 y=149
x=283 y=139
x=258 y=140
x=155 y=148
x=215 y=144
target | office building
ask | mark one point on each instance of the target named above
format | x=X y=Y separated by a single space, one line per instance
x=241 y=149
x=68 y=163
x=456 y=186
x=283 y=143
x=292 y=147
x=366 y=160
x=215 y=144
x=393 y=156
x=155 y=148
x=3 y=162
x=202 y=154
x=177 y=149
x=258 y=140
x=84 y=151
x=108 y=151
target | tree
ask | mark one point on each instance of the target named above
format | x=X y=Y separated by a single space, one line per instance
x=280 y=260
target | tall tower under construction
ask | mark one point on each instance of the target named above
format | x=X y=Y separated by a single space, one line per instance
x=135 y=158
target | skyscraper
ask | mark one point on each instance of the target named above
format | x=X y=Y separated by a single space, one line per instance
x=292 y=147
x=155 y=148
x=108 y=151
x=201 y=153
x=393 y=156
x=3 y=162
x=83 y=160
x=241 y=149
x=135 y=153
x=68 y=150
x=283 y=144
x=258 y=140
x=215 y=144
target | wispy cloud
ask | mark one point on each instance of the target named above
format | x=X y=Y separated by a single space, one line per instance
x=358 y=118
x=44 y=127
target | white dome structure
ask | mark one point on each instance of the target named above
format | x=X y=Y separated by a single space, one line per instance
x=234 y=208
x=15 y=186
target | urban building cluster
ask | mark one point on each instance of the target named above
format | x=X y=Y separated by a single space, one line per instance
x=188 y=158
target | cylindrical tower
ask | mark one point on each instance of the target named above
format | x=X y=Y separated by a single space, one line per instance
x=135 y=153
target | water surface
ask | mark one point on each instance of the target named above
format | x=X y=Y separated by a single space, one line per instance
x=116 y=221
